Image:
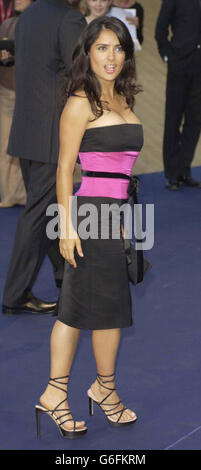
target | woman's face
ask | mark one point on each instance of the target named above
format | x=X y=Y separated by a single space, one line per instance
x=21 y=5
x=98 y=7
x=107 y=56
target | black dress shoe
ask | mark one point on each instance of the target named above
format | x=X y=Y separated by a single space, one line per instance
x=172 y=184
x=32 y=305
x=188 y=181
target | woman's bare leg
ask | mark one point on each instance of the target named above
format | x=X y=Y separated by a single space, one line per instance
x=63 y=344
x=105 y=346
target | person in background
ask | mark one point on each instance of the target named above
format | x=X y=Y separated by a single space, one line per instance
x=96 y=8
x=12 y=189
x=6 y=10
x=138 y=20
x=45 y=37
x=182 y=53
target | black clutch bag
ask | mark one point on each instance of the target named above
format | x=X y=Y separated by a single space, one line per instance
x=137 y=264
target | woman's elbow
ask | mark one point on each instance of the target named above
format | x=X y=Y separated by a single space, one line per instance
x=64 y=169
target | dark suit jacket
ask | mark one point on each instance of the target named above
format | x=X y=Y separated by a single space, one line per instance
x=45 y=37
x=184 y=17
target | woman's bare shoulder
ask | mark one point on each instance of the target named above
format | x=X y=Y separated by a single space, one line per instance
x=80 y=93
x=134 y=118
x=78 y=104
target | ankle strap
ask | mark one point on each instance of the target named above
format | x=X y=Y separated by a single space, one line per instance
x=102 y=382
x=106 y=376
x=57 y=381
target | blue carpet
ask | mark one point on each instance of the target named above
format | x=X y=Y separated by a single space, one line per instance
x=159 y=362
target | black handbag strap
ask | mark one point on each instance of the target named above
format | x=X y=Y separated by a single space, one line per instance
x=132 y=191
x=133 y=188
x=105 y=174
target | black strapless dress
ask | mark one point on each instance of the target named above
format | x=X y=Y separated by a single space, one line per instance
x=96 y=294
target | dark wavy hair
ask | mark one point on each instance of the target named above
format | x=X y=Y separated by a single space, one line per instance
x=82 y=77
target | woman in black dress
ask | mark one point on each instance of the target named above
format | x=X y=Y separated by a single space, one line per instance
x=98 y=124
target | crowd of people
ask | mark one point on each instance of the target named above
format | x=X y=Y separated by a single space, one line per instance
x=182 y=115
x=12 y=184
x=96 y=52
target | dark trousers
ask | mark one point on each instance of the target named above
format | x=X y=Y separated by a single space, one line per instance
x=182 y=117
x=31 y=243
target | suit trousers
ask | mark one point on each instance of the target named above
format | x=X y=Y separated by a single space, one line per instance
x=31 y=243
x=182 y=117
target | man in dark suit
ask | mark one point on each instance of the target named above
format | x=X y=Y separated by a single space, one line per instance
x=46 y=34
x=183 y=93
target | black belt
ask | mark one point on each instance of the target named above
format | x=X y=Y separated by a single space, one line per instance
x=105 y=174
x=133 y=186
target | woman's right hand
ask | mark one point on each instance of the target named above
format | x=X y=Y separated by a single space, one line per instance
x=67 y=247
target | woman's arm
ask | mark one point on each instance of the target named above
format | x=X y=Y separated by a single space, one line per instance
x=74 y=119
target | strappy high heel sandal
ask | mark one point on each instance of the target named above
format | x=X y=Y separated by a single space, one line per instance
x=57 y=419
x=108 y=413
